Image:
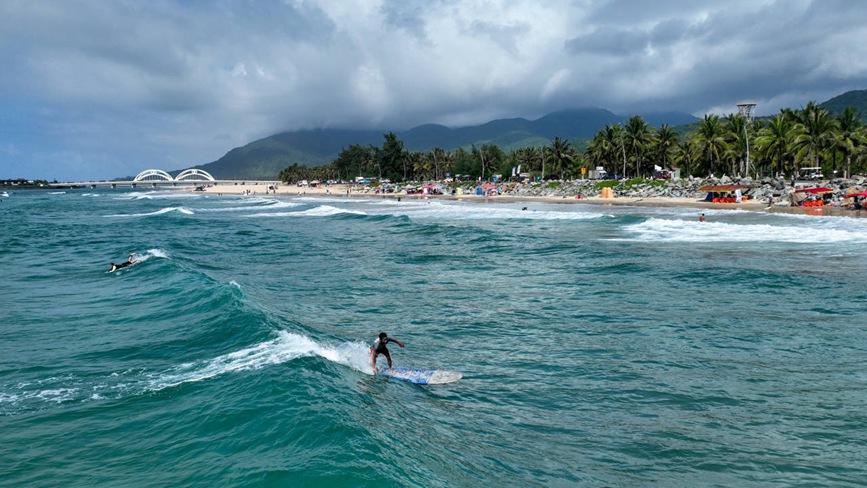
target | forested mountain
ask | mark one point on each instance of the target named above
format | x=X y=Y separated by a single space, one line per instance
x=264 y=158
x=855 y=98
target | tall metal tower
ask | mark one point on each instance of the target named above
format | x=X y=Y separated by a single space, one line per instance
x=746 y=110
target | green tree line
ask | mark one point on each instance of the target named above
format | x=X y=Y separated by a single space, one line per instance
x=773 y=146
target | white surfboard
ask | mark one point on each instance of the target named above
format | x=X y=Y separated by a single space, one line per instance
x=421 y=376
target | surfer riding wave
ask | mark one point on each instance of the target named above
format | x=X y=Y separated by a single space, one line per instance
x=379 y=348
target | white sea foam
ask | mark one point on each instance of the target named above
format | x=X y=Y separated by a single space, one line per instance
x=156 y=212
x=320 y=211
x=285 y=347
x=438 y=210
x=253 y=204
x=654 y=229
x=159 y=253
x=50 y=193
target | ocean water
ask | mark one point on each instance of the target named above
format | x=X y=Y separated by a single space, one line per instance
x=599 y=346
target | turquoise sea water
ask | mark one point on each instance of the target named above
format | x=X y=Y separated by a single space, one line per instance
x=599 y=346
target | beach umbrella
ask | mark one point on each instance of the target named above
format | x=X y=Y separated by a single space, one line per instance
x=859 y=194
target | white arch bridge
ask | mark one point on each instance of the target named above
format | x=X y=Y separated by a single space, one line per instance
x=157 y=177
x=185 y=175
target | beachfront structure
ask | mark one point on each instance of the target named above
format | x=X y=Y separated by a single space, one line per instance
x=746 y=110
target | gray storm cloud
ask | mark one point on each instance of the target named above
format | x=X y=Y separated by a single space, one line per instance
x=99 y=89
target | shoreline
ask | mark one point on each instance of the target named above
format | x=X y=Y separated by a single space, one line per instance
x=358 y=192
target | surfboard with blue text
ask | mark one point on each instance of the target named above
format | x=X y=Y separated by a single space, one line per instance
x=418 y=376
x=421 y=376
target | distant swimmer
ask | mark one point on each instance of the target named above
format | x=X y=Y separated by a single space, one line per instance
x=131 y=260
x=379 y=348
x=701 y=218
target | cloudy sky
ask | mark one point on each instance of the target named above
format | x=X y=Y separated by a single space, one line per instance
x=97 y=89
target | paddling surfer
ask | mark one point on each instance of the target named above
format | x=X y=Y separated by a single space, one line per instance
x=379 y=348
x=131 y=260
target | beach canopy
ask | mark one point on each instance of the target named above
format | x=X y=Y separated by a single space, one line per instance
x=859 y=194
x=820 y=189
x=488 y=186
x=720 y=188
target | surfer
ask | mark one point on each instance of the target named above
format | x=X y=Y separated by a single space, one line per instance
x=379 y=348
x=131 y=260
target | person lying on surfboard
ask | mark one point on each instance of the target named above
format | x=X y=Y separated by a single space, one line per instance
x=115 y=267
x=379 y=348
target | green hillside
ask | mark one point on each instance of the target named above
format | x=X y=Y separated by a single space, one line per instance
x=854 y=98
x=263 y=159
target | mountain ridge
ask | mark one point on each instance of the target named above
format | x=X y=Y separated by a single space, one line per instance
x=266 y=157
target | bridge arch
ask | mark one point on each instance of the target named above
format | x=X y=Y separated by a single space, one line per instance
x=194 y=174
x=153 y=174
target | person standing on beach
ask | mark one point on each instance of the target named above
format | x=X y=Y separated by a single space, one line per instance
x=379 y=348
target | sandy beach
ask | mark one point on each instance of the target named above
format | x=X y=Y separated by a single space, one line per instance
x=358 y=191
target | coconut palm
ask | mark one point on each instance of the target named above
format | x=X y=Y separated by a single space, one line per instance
x=638 y=138
x=604 y=149
x=561 y=156
x=775 y=140
x=687 y=154
x=710 y=138
x=736 y=142
x=665 y=142
x=849 y=137
x=439 y=156
x=813 y=132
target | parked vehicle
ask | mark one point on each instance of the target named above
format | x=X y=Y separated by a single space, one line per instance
x=812 y=173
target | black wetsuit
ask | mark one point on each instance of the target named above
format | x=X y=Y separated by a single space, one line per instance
x=379 y=347
x=121 y=265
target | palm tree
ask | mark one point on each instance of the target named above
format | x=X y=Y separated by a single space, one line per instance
x=710 y=137
x=561 y=155
x=736 y=134
x=813 y=132
x=687 y=154
x=421 y=166
x=439 y=156
x=850 y=135
x=774 y=140
x=526 y=158
x=604 y=148
x=664 y=143
x=638 y=139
